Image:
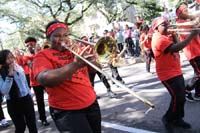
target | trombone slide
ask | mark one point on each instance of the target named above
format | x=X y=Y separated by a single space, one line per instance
x=189 y=23
x=111 y=78
x=183 y=31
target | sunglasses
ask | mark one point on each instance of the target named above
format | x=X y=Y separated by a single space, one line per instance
x=164 y=24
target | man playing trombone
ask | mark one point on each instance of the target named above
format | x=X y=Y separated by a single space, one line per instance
x=191 y=51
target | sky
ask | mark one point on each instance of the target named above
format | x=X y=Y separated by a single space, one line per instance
x=5 y=28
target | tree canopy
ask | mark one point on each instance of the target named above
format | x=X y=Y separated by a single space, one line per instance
x=30 y=16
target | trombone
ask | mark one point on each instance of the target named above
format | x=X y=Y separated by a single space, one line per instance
x=105 y=55
x=189 y=23
x=183 y=31
x=104 y=49
x=45 y=45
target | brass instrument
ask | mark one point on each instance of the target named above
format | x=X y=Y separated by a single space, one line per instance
x=45 y=45
x=183 y=31
x=196 y=21
x=104 y=48
x=195 y=13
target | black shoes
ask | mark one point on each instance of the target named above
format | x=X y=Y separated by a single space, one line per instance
x=122 y=82
x=98 y=97
x=168 y=125
x=181 y=123
x=189 y=97
x=4 y=123
x=45 y=123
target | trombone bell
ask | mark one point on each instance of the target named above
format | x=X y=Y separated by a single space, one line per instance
x=45 y=45
x=105 y=49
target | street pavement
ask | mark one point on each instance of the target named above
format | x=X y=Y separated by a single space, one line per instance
x=127 y=114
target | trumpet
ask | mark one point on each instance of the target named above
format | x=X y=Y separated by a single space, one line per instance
x=104 y=49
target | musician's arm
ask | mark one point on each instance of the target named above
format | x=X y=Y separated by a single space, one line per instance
x=180 y=45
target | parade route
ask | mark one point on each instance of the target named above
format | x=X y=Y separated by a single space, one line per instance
x=125 y=113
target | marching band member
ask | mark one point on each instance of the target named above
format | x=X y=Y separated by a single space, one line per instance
x=165 y=48
x=191 y=52
x=72 y=99
x=145 y=42
x=114 y=70
x=37 y=88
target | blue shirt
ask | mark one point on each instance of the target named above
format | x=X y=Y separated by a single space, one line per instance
x=119 y=37
x=20 y=79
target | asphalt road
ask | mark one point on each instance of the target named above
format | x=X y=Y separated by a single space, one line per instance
x=126 y=114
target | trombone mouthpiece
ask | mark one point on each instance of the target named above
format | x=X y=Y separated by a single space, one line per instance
x=62 y=44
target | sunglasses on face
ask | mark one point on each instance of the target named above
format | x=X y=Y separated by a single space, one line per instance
x=164 y=24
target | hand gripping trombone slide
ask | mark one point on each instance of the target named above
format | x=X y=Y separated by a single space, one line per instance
x=109 y=77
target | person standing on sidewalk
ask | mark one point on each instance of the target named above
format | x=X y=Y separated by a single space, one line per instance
x=165 y=47
x=119 y=39
x=129 y=41
x=191 y=51
x=14 y=86
x=3 y=121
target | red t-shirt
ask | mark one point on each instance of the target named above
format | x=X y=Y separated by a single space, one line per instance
x=29 y=70
x=72 y=94
x=25 y=60
x=33 y=82
x=192 y=49
x=147 y=44
x=167 y=65
x=19 y=60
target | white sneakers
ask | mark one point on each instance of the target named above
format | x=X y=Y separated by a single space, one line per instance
x=4 y=123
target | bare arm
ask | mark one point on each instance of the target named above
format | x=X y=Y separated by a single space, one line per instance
x=56 y=76
x=145 y=39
